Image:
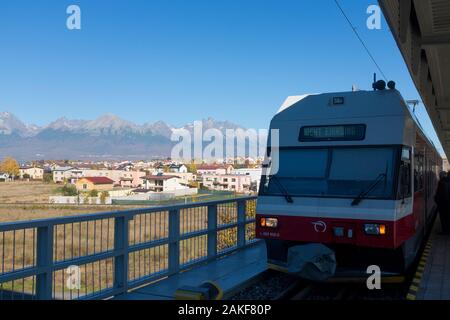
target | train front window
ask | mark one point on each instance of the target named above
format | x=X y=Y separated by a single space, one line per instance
x=333 y=172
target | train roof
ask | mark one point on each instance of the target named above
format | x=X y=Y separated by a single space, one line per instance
x=347 y=105
x=355 y=103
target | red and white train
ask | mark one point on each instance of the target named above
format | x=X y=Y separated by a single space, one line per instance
x=353 y=171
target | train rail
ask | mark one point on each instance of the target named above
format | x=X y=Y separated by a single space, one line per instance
x=272 y=285
x=276 y=285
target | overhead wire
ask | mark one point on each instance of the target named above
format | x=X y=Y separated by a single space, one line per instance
x=360 y=39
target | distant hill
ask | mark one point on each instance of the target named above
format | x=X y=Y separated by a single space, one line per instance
x=107 y=137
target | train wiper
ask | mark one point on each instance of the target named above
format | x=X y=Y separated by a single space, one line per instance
x=286 y=194
x=364 y=193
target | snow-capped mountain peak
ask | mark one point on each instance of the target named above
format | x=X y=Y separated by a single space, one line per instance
x=10 y=124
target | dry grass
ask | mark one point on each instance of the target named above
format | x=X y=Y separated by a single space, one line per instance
x=26 y=192
x=20 y=200
x=81 y=239
x=17 y=212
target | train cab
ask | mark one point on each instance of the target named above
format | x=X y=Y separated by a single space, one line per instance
x=352 y=171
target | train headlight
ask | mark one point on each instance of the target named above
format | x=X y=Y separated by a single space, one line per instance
x=269 y=222
x=375 y=229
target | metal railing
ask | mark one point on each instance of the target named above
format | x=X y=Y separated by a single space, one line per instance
x=98 y=256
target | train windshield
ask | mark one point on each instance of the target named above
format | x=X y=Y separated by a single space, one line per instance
x=332 y=172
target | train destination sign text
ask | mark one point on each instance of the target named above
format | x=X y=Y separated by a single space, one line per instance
x=333 y=133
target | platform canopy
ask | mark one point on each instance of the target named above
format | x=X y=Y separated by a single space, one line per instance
x=421 y=29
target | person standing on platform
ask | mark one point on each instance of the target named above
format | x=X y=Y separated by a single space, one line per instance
x=442 y=199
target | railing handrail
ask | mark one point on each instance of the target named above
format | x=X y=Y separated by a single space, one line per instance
x=176 y=230
x=9 y=226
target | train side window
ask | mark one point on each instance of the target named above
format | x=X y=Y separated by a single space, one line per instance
x=404 y=190
x=418 y=172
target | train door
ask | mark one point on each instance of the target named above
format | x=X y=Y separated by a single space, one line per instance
x=420 y=196
x=426 y=182
x=429 y=189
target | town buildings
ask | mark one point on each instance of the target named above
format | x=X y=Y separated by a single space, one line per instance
x=122 y=178
x=160 y=176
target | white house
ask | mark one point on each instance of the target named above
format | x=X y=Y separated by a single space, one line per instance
x=178 y=168
x=4 y=177
x=160 y=183
x=227 y=182
x=69 y=174
x=34 y=173
x=253 y=173
x=185 y=178
x=61 y=174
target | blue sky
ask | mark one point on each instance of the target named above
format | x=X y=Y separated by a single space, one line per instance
x=179 y=61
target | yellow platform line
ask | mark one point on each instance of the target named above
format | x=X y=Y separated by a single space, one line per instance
x=414 y=287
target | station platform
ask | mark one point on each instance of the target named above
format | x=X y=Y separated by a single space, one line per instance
x=229 y=273
x=432 y=280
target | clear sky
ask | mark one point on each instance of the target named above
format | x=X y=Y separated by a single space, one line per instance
x=180 y=61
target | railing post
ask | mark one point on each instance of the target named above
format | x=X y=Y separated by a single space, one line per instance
x=212 y=231
x=44 y=261
x=121 y=247
x=174 y=241
x=241 y=223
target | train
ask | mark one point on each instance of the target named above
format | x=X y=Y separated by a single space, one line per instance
x=351 y=171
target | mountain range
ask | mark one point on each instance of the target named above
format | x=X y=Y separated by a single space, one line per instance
x=107 y=137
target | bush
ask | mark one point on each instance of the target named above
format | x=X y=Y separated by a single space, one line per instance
x=26 y=176
x=48 y=177
x=103 y=196
x=194 y=184
x=93 y=193
x=69 y=190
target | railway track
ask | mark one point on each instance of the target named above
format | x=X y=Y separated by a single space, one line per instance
x=274 y=285
x=343 y=292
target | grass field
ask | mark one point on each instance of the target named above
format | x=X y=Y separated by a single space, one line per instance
x=20 y=200
x=26 y=192
x=17 y=212
x=29 y=200
x=80 y=239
